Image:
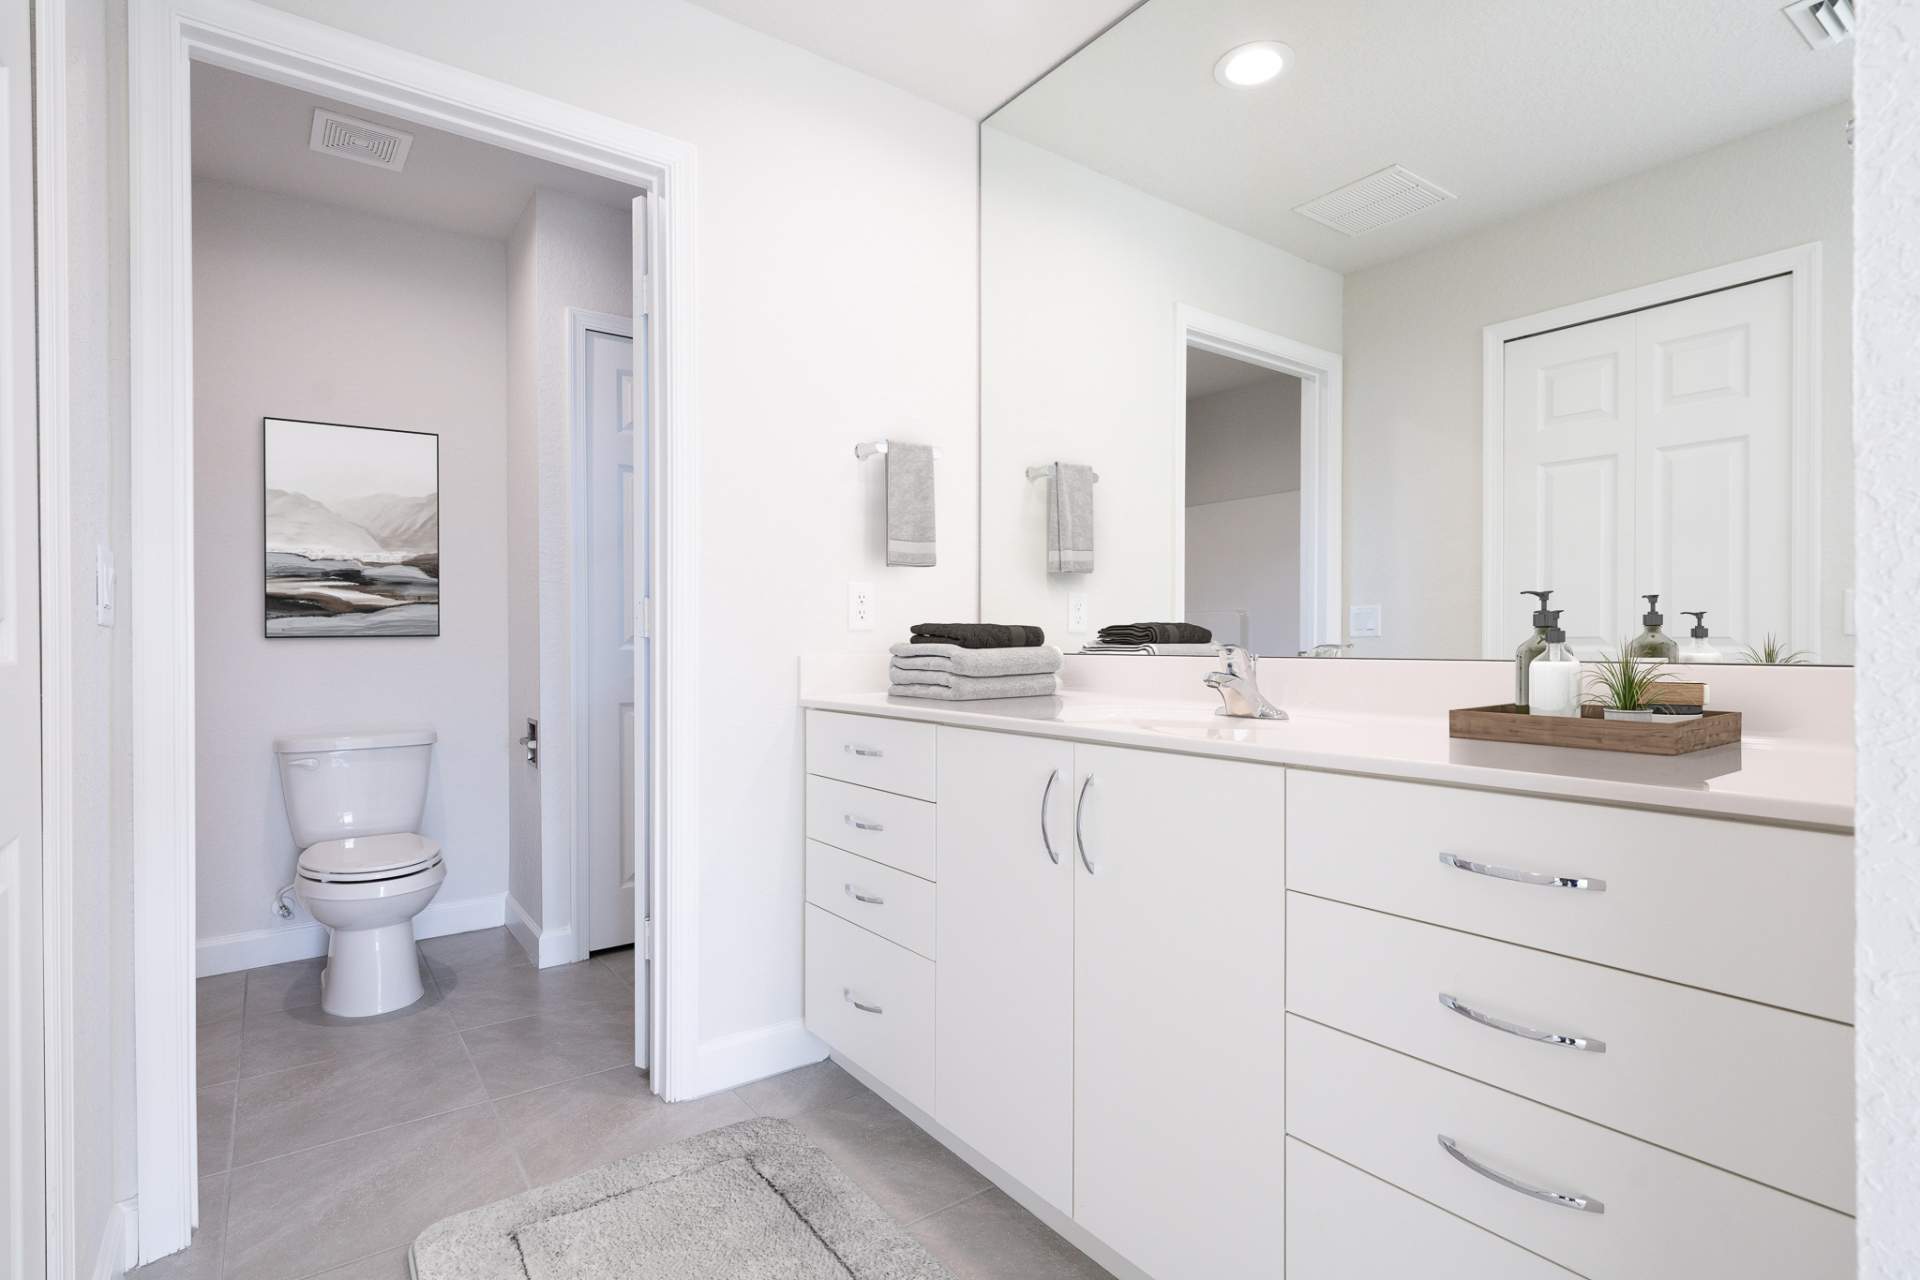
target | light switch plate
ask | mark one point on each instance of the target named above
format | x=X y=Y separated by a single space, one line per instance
x=103 y=586
x=1363 y=621
x=1077 y=613
x=859 y=606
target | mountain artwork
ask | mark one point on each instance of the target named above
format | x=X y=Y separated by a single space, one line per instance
x=352 y=530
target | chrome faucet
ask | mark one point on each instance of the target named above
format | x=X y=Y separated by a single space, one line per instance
x=1238 y=687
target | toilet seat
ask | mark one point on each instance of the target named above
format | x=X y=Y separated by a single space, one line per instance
x=359 y=859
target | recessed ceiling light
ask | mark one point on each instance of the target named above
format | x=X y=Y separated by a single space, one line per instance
x=1253 y=64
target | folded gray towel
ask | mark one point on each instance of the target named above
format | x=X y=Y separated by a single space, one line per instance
x=909 y=504
x=1070 y=518
x=971 y=688
x=1039 y=659
x=1157 y=650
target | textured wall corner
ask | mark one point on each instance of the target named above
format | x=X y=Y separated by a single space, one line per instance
x=1887 y=495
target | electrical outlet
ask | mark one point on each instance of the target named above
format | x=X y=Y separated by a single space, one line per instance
x=103 y=585
x=859 y=606
x=1077 y=614
x=1363 y=621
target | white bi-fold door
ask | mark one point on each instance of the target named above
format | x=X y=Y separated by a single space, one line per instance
x=1652 y=452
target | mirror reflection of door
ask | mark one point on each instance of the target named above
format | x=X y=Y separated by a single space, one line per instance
x=1243 y=502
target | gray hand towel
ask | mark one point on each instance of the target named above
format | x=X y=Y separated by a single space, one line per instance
x=973 y=688
x=909 y=504
x=1039 y=659
x=1070 y=518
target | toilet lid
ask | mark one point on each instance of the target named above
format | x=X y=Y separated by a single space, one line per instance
x=369 y=855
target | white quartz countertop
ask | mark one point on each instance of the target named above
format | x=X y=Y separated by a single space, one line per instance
x=1772 y=780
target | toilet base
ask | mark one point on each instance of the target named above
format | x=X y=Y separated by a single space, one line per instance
x=370 y=971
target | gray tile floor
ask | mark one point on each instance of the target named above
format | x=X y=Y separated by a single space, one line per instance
x=327 y=1144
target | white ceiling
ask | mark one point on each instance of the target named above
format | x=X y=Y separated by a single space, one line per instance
x=253 y=133
x=1508 y=104
x=1208 y=372
x=970 y=56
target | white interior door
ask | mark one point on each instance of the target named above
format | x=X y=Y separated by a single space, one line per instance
x=1570 y=478
x=616 y=736
x=22 y=1098
x=1651 y=452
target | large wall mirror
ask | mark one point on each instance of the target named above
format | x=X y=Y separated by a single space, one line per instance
x=1370 y=317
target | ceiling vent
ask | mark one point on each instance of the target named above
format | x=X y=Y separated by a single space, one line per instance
x=359 y=140
x=1823 y=24
x=1376 y=200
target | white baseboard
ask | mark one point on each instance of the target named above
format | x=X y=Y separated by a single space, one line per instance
x=232 y=952
x=117 y=1243
x=545 y=947
x=746 y=1056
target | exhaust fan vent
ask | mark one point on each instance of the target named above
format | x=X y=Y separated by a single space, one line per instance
x=1823 y=24
x=1375 y=200
x=360 y=140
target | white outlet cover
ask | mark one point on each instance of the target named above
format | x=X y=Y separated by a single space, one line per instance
x=859 y=606
x=1363 y=621
x=1077 y=613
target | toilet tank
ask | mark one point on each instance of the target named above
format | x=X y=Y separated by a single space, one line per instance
x=354 y=784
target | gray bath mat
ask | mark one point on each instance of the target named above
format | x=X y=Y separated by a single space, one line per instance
x=752 y=1201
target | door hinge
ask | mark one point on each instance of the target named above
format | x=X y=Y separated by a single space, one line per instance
x=643 y=296
x=646 y=939
x=643 y=621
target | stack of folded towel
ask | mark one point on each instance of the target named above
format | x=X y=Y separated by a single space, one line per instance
x=963 y=661
x=1156 y=633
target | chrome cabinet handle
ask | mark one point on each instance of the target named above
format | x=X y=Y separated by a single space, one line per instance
x=846 y=993
x=1585 y=1043
x=867 y=898
x=1046 y=839
x=1079 y=836
x=1585 y=1204
x=871 y=753
x=1523 y=877
x=861 y=824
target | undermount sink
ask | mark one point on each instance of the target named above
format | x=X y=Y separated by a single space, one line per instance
x=1215 y=728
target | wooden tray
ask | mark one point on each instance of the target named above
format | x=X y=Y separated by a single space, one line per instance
x=1594 y=732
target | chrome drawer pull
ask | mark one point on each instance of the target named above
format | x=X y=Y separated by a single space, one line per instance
x=1046 y=839
x=872 y=901
x=861 y=824
x=1079 y=812
x=1585 y=1204
x=1523 y=877
x=846 y=993
x=1525 y=1033
x=871 y=753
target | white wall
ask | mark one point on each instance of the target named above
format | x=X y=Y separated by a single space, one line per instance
x=563 y=253
x=1413 y=360
x=1887 y=481
x=1243 y=511
x=307 y=311
x=836 y=301
x=1080 y=279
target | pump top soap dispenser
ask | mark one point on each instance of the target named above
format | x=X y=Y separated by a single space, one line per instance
x=1698 y=648
x=1653 y=644
x=1555 y=679
x=1530 y=648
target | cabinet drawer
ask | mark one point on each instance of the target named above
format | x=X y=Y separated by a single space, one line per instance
x=1754 y=911
x=1664 y=1217
x=874 y=824
x=893 y=755
x=872 y=895
x=1343 y=1224
x=872 y=1001
x=1760 y=1091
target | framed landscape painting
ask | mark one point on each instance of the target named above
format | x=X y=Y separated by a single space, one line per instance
x=352 y=530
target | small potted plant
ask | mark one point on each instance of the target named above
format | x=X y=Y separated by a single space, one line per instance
x=1620 y=686
x=1771 y=653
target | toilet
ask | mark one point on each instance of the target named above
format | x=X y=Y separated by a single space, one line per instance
x=354 y=802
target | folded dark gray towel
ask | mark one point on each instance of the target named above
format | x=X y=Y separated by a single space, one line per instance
x=1156 y=633
x=977 y=635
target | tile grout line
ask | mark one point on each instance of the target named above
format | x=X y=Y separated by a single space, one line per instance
x=973 y=1195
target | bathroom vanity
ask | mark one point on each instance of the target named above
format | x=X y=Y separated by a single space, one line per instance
x=1336 y=997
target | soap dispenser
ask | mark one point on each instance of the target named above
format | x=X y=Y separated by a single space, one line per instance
x=1530 y=648
x=1698 y=648
x=1653 y=644
x=1554 y=678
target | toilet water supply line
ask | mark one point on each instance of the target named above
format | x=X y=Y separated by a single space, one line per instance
x=283 y=903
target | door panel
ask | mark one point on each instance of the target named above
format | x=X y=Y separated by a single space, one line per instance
x=1178 y=994
x=1004 y=941
x=613 y=747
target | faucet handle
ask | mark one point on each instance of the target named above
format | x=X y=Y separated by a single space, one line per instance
x=1238 y=659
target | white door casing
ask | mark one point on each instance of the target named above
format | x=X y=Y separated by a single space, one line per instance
x=610 y=515
x=1651 y=452
x=22 y=1098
